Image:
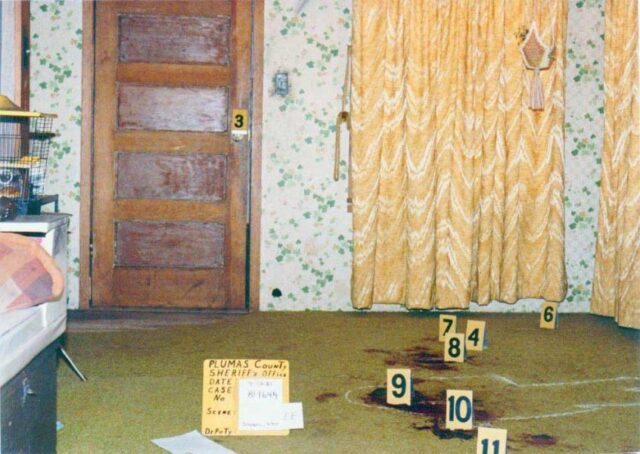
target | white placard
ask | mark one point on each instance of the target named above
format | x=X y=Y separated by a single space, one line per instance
x=260 y=404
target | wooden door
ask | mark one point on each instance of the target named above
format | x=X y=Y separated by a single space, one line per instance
x=170 y=186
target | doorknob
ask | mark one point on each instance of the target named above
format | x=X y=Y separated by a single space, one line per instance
x=238 y=137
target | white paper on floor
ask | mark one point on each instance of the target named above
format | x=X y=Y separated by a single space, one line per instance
x=191 y=443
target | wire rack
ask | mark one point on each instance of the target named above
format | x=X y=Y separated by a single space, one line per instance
x=25 y=139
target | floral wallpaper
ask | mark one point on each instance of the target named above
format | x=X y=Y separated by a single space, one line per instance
x=56 y=75
x=584 y=131
x=306 y=236
x=306 y=230
x=306 y=247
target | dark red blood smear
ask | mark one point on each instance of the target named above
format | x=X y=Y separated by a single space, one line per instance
x=325 y=397
x=376 y=350
x=446 y=434
x=416 y=357
x=433 y=408
x=539 y=439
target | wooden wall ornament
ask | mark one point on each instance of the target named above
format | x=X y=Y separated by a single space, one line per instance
x=537 y=56
x=344 y=117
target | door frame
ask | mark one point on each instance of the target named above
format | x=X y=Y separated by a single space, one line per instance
x=86 y=155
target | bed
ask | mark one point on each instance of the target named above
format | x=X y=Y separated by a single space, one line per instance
x=25 y=333
x=28 y=344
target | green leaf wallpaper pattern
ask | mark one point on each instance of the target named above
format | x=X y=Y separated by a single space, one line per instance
x=306 y=239
x=306 y=230
x=584 y=129
x=56 y=79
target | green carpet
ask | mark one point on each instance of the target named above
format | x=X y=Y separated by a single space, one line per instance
x=575 y=389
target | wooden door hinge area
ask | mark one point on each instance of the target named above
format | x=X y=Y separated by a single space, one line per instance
x=91 y=251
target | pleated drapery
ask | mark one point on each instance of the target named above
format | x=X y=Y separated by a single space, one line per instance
x=457 y=184
x=616 y=283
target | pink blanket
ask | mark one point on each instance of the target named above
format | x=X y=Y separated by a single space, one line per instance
x=28 y=274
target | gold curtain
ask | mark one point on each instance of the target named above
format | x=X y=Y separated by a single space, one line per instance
x=457 y=184
x=616 y=284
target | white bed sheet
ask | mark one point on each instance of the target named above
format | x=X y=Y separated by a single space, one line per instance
x=26 y=332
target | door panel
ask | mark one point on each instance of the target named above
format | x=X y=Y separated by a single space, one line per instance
x=169 y=207
x=172 y=108
x=145 y=287
x=174 y=39
x=170 y=244
x=195 y=176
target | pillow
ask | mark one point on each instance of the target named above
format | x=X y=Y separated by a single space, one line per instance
x=28 y=274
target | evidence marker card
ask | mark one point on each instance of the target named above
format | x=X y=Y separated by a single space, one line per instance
x=549 y=316
x=240 y=121
x=491 y=441
x=459 y=410
x=454 y=350
x=446 y=325
x=399 y=387
x=220 y=393
x=476 y=338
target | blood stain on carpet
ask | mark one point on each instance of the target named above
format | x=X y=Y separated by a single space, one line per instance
x=417 y=357
x=376 y=350
x=325 y=397
x=539 y=439
x=433 y=408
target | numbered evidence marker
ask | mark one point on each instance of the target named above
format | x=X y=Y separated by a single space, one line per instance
x=459 y=410
x=399 y=387
x=454 y=350
x=239 y=121
x=549 y=316
x=491 y=441
x=476 y=338
x=446 y=325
